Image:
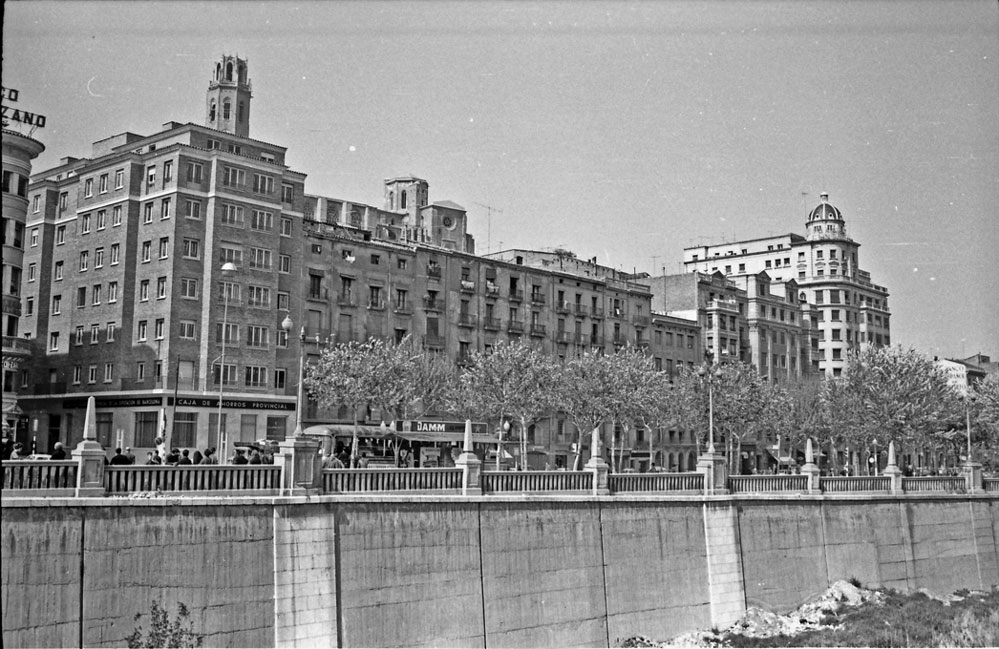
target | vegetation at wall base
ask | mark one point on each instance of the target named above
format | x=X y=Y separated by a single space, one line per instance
x=164 y=632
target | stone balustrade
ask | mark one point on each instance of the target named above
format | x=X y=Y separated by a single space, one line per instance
x=536 y=481
x=257 y=478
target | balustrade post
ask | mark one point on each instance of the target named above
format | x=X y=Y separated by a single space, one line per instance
x=598 y=466
x=972 y=472
x=713 y=467
x=470 y=465
x=892 y=470
x=90 y=456
x=301 y=466
x=810 y=468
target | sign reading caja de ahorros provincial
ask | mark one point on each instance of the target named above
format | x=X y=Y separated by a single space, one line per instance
x=12 y=95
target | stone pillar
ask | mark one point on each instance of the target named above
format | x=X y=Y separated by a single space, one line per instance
x=712 y=466
x=811 y=469
x=893 y=471
x=301 y=466
x=470 y=465
x=598 y=466
x=973 y=476
x=90 y=456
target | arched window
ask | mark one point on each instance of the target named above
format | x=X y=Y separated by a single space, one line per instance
x=211 y=113
x=226 y=109
x=228 y=71
x=239 y=114
x=402 y=200
x=218 y=71
x=391 y=200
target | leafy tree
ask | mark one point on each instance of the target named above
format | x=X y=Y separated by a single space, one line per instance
x=583 y=395
x=513 y=380
x=163 y=631
x=985 y=417
x=629 y=370
x=658 y=409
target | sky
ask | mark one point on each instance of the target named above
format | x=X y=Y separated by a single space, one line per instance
x=621 y=130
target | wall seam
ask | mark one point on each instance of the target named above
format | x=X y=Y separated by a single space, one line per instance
x=83 y=542
x=337 y=585
x=974 y=541
x=482 y=575
x=603 y=570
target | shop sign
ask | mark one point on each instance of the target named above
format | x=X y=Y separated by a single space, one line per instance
x=31 y=119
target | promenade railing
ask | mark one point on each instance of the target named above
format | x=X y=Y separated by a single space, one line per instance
x=40 y=477
x=754 y=484
x=246 y=479
x=935 y=484
x=855 y=484
x=691 y=483
x=429 y=480
x=991 y=485
x=536 y=481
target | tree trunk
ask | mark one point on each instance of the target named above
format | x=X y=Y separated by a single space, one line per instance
x=737 y=457
x=523 y=444
x=579 y=448
x=353 y=444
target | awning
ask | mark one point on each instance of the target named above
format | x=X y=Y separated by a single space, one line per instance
x=347 y=430
x=444 y=438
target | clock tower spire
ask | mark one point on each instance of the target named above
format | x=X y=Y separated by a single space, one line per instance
x=227 y=105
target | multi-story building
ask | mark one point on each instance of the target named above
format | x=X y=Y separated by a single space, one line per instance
x=18 y=152
x=849 y=310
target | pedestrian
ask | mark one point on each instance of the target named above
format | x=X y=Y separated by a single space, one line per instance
x=130 y=455
x=151 y=458
x=17 y=453
x=119 y=458
x=332 y=462
x=363 y=462
x=184 y=458
x=197 y=457
x=255 y=457
x=239 y=457
x=58 y=452
x=210 y=456
x=173 y=458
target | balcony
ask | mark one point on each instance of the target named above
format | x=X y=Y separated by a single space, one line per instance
x=597 y=312
x=11 y=305
x=491 y=324
x=580 y=308
x=515 y=327
x=434 y=341
x=538 y=329
x=563 y=307
x=620 y=339
x=643 y=320
x=467 y=286
x=14 y=346
x=642 y=343
x=433 y=271
x=492 y=290
x=537 y=298
x=466 y=320
x=597 y=340
x=432 y=304
x=516 y=296
x=377 y=304
x=619 y=313
x=565 y=337
x=345 y=299
x=404 y=307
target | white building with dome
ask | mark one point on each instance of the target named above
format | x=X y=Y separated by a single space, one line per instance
x=850 y=310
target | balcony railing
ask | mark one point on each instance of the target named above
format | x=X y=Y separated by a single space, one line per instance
x=345 y=299
x=12 y=305
x=376 y=304
x=492 y=324
x=935 y=484
x=563 y=307
x=432 y=304
x=466 y=320
x=13 y=345
x=597 y=312
x=580 y=308
x=538 y=329
x=537 y=298
x=403 y=307
x=492 y=290
x=515 y=326
x=434 y=341
x=433 y=271
x=855 y=483
x=467 y=286
x=656 y=482
x=743 y=484
x=516 y=296
x=52 y=476
x=565 y=337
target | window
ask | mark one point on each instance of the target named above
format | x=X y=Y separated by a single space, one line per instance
x=147 y=247
x=194 y=170
x=111 y=331
x=234 y=148
x=84 y=260
x=232 y=177
x=140 y=371
x=31 y=272
x=158 y=327
x=77 y=374
x=147 y=213
x=375 y=260
x=85 y=224
x=192 y=209
x=283 y=301
x=29 y=306
x=36 y=203
x=263 y=184
x=261 y=221
x=95 y=295
x=144 y=290
x=256 y=377
x=56 y=304
x=164 y=247
x=116 y=216
x=165 y=208
x=231 y=333
x=231 y=255
x=260 y=258
x=188 y=287
x=145 y=428
x=229 y=291
x=141 y=332
x=92 y=374
x=119 y=179
x=161 y=288
x=257 y=336
x=58 y=271
x=34 y=237
x=151 y=175
x=259 y=296
x=280 y=379
x=228 y=375
x=281 y=338
x=187 y=329
x=54 y=341
x=114 y=254
x=60 y=237
x=102 y=219
x=78 y=335
x=403 y=263
x=99 y=258
x=192 y=249
x=102 y=185
x=232 y=215
x=95 y=334
x=284 y=263
x=185 y=429
x=168 y=171
x=285 y=226
x=287 y=193
x=88 y=187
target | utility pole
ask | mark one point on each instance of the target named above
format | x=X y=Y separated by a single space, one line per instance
x=489 y=223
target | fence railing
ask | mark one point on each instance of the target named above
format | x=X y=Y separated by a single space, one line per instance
x=655 y=482
x=34 y=475
x=752 y=484
x=372 y=480
x=991 y=485
x=855 y=483
x=535 y=481
x=935 y=484
x=201 y=478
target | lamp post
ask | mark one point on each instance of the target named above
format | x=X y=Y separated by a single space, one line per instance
x=227 y=269
x=967 y=415
x=703 y=372
x=287 y=324
x=505 y=428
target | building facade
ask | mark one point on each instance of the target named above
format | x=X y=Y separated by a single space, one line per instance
x=847 y=309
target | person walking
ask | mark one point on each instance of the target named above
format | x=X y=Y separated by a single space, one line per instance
x=130 y=455
x=184 y=458
x=119 y=459
x=58 y=452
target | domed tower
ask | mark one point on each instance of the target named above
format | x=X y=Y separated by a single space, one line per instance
x=825 y=221
x=227 y=106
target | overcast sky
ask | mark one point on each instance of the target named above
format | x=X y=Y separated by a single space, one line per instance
x=621 y=130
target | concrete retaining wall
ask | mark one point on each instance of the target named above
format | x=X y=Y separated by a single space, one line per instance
x=451 y=571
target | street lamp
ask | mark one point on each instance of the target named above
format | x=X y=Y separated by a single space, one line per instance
x=227 y=269
x=703 y=372
x=505 y=428
x=287 y=324
x=968 y=400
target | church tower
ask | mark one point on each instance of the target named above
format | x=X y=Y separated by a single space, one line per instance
x=227 y=105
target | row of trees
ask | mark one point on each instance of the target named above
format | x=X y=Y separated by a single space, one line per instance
x=885 y=394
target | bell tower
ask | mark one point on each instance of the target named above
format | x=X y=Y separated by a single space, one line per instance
x=227 y=105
